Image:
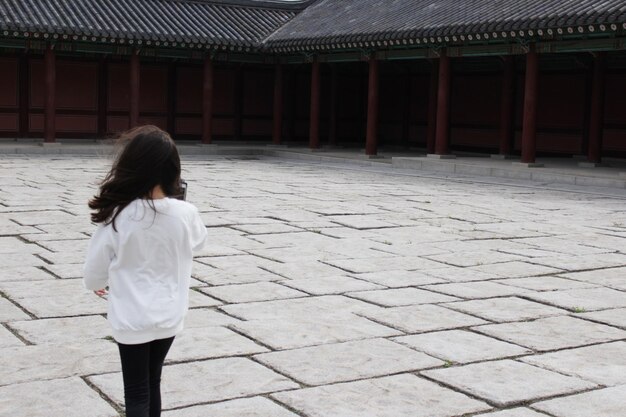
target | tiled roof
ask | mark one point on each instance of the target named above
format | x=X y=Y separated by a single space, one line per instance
x=223 y=22
x=336 y=22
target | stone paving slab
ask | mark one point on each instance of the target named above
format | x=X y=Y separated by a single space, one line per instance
x=422 y=318
x=546 y=283
x=24 y=273
x=210 y=342
x=401 y=297
x=615 y=317
x=515 y=412
x=459 y=346
x=204 y=381
x=348 y=361
x=245 y=293
x=301 y=332
x=480 y=289
x=603 y=364
x=62 y=330
x=401 y=395
x=610 y=277
x=8 y=339
x=330 y=285
x=43 y=362
x=586 y=299
x=245 y=407
x=505 y=383
x=608 y=402
x=69 y=397
x=553 y=333
x=10 y=312
x=505 y=309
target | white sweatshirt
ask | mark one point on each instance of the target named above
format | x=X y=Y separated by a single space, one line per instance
x=147 y=266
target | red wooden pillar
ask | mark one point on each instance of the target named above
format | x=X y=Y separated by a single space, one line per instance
x=278 y=105
x=314 y=128
x=207 y=101
x=442 y=139
x=596 y=119
x=507 y=106
x=102 y=97
x=433 y=90
x=529 y=128
x=49 y=132
x=332 y=120
x=24 y=81
x=239 y=84
x=134 y=89
x=172 y=78
x=371 y=141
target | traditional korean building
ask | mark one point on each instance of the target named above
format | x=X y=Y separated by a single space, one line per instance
x=508 y=77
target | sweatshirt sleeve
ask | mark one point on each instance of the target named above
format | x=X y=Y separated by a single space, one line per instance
x=100 y=253
x=198 y=231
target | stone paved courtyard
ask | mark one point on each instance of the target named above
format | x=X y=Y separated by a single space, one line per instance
x=330 y=292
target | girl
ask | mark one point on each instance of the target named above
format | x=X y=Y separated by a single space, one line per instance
x=142 y=251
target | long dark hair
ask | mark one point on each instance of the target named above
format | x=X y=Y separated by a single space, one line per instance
x=148 y=158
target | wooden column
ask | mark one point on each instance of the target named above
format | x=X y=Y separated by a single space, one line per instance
x=171 y=98
x=24 y=99
x=507 y=106
x=278 y=105
x=238 y=123
x=314 y=127
x=371 y=141
x=596 y=117
x=433 y=91
x=49 y=132
x=332 y=119
x=406 y=114
x=529 y=129
x=442 y=139
x=134 y=89
x=103 y=80
x=207 y=101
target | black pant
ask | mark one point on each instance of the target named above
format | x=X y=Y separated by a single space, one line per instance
x=141 y=368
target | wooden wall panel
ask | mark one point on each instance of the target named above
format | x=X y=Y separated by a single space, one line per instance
x=224 y=127
x=77 y=124
x=257 y=128
x=189 y=90
x=258 y=92
x=116 y=124
x=119 y=87
x=158 y=121
x=223 y=89
x=476 y=100
x=9 y=70
x=37 y=87
x=153 y=89
x=189 y=125
x=561 y=102
x=615 y=99
x=77 y=85
x=9 y=122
